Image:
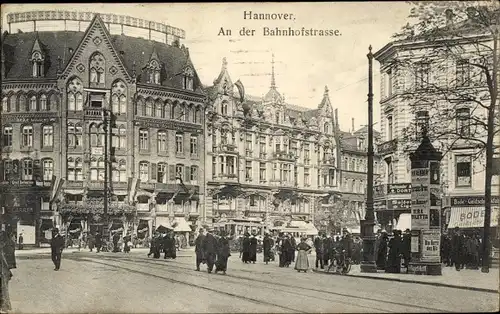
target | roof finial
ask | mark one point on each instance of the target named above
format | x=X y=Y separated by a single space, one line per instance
x=273 y=81
x=326 y=90
x=224 y=64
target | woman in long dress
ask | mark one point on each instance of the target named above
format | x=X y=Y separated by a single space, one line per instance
x=302 y=262
x=223 y=253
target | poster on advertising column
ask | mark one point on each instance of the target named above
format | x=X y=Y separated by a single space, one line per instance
x=420 y=198
x=431 y=246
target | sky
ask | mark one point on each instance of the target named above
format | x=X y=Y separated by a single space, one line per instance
x=303 y=65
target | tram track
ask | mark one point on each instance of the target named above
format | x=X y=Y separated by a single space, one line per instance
x=255 y=283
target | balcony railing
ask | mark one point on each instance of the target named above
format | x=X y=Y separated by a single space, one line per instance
x=283 y=155
x=94 y=112
x=388 y=147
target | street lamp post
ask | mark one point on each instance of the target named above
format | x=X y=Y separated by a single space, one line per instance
x=106 y=165
x=368 y=262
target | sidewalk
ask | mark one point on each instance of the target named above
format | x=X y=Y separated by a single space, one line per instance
x=465 y=279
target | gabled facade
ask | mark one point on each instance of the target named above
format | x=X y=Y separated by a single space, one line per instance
x=70 y=98
x=270 y=164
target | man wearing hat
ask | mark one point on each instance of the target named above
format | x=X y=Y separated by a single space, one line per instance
x=199 y=249
x=210 y=249
x=56 y=248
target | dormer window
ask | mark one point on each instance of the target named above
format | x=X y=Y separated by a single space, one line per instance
x=37 y=60
x=188 y=79
x=153 y=72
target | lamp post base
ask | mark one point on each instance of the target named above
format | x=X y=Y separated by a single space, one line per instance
x=368 y=267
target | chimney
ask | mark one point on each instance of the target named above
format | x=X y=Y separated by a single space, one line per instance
x=352 y=125
x=449 y=18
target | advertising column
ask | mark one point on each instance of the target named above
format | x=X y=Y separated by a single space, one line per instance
x=425 y=210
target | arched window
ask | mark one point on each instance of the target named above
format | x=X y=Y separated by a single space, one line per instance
x=188 y=78
x=43 y=103
x=96 y=135
x=97 y=68
x=149 y=108
x=122 y=133
x=158 y=109
x=22 y=103
x=71 y=135
x=182 y=112
x=37 y=60
x=140 y=107
x=74 y=94
x=118 y=98
x=33 y=106
x=166 y=110
x=327 y=130
x=191 y=117
x=101 y=165
x=173 y=110
x=197 y=115
x=53 y=102
x=122 y=167
x=5 y=105
x=224 y=108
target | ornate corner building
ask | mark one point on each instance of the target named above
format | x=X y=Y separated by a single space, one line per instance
x=76 y=103
x=269 y=164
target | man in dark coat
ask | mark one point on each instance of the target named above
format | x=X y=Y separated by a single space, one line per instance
x=286 y=248
x=253 y=249
x=382 y=250
x=98 y=241
x=457 y=249
x=223 y=253
x=293 y=248
x=56 y=248
x=210 y=249
x=319 y=248
x=199 y=249
x=116 y=238
x=394 y=258
x=169 y=249
x=406 y=248
x=267 y=246
x=245 y=248
x=327 y=248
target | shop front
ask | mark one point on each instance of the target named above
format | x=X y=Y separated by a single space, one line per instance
x=390 y=202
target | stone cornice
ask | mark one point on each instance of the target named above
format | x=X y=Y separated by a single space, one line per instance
x=163 y=91
x=168 y=124
x=30 y=117
x=17 y=84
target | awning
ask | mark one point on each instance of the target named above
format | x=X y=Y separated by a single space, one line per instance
x=404 y=222
x=182 y=225
x=471 y=217
x=311 y=229
x=354 y=230
x=163 y=221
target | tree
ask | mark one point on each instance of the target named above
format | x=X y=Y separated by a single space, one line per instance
x=454 y=94
x=333 y=217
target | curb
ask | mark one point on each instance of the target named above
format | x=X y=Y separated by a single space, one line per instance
x=437 y=284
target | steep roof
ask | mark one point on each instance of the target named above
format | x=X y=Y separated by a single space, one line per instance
x=136 y=53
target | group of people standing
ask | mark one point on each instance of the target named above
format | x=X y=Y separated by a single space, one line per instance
x=212 y=250
x=461 y=250
x=330 y=249
x=165 y=242
x=391 y=252
x=248 y=248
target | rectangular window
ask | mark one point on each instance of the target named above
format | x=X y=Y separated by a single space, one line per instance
x=389 y=128
x=262 y=145
x=144 y=139
x=230 y=165
x=463 y=121
x=144 y=171
x=162 y=142
x=194 y=146
x=48 y=136
x=194 y=173
x=7 y=136
x=249 y=141
x=306 y=154
x=294 y=148
x=27 y=136
x=422 y=122
x=248 y=170
x=463 y=72
x=464 y=171
x=27 y=169
x=162 y=173
x=262 y=171
x=214 y=166
x=422 y=75
x=306 y=177
x=179 y=143
x=48 y=170
x=178 y=171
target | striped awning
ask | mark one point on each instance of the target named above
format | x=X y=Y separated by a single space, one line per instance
x=471 y=217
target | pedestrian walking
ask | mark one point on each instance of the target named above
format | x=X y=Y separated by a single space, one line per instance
x=327 y=248
x=98 y=241
x=382 y=250
x=303 y=249
x=245 y=248
x=127 y=244
x=169 y=249
x=319 y=247
x=286 y=248
x=20 y=242
x=56 y=248
x=457 y=249
x=116 y=239
x=91 y=241
x=198 y=248
x=292 y=249
x=394 y=258
x=253 y=248
x=267 y=245
x=210 y=249
x=406 y=248
x=223 y=253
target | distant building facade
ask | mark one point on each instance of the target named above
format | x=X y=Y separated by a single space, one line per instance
x=269 y=164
